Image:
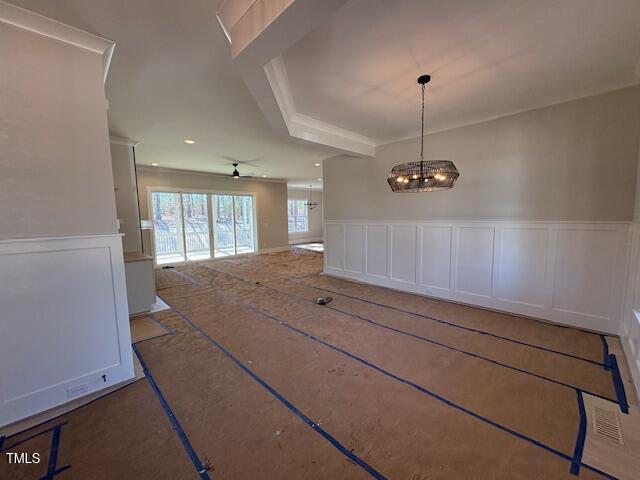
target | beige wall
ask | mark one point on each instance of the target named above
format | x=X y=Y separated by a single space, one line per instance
x=271 y=199
x=636 y=210
x=315 y=215
x=572 y=161
x=55 y=167
x=124 y=182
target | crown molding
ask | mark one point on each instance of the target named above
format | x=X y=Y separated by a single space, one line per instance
x=180 y=171
x=303 y=189
x=123 y=141
x=307 y=128
x=552 y=103
x=34 y=22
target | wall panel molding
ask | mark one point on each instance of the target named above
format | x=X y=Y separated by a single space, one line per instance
x=566 y=272
x=630 y=328
x=65 y=321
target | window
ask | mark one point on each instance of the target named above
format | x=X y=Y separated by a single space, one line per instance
x=298 y=216
x=189 y=226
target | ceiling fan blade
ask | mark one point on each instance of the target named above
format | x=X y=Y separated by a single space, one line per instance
x=231 y=159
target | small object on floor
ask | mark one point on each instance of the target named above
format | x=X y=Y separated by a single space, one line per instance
x=166 y=267
x=323 y=300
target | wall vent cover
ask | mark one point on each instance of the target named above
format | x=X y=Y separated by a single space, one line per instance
x=607 y=424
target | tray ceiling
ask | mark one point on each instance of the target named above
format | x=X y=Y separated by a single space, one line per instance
x=357 y=70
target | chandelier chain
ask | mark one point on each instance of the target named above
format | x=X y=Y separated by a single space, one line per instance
x=422 y=131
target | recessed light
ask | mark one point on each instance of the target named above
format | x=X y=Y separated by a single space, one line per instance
x=188 y=141
x=317 y=164
x=154 y=164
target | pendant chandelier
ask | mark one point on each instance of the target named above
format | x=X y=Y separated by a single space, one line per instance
x=309 y=204
x=425 y=175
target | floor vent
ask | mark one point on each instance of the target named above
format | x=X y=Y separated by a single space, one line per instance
x=607 y=424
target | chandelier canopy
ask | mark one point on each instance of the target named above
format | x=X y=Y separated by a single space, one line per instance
x=424 y=175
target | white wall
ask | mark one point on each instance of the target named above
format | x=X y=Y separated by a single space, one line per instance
x=630 y=325
x=64 y=325
x=571 y=273
x=124 y=183
x=315 y=216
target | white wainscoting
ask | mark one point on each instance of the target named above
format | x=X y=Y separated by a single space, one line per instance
x=630 y=329
x=567 y=272
x=64 y=321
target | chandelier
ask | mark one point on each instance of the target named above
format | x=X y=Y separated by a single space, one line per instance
x=309 y=204
x=425 y=175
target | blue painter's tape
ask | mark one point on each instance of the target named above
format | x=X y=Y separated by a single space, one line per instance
x=152 y=317
x=326 y=435
x=606 y=359
x=153 y=338
x=112 y=392
x=60 y=470
x=53 y=454
x=31 y=437
x=618 y=385
x=451 y=324
x=202 y=472
x=419 y=337
x=384 y=372
x=576 y=460
x=393 y=376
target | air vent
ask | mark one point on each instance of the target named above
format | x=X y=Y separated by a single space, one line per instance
x=607 y=424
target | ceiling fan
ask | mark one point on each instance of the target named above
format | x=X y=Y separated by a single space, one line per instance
x=232 y=160
x=236 y=173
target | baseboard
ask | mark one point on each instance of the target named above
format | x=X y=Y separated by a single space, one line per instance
x=274 y=249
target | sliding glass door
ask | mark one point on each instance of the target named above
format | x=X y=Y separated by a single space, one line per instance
x=196 y=226
x=233 y=225
x=189 y=226
x=243 y=206
x=225 y=242
x=167 y=223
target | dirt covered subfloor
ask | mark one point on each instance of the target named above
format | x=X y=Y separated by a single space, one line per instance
x=257 y=381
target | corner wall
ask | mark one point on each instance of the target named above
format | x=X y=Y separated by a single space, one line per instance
x=64 y=323
x=124 y=183
x=630 y=327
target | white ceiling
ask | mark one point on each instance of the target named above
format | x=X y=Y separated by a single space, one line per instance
x=172 y=78
x=487 y=58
